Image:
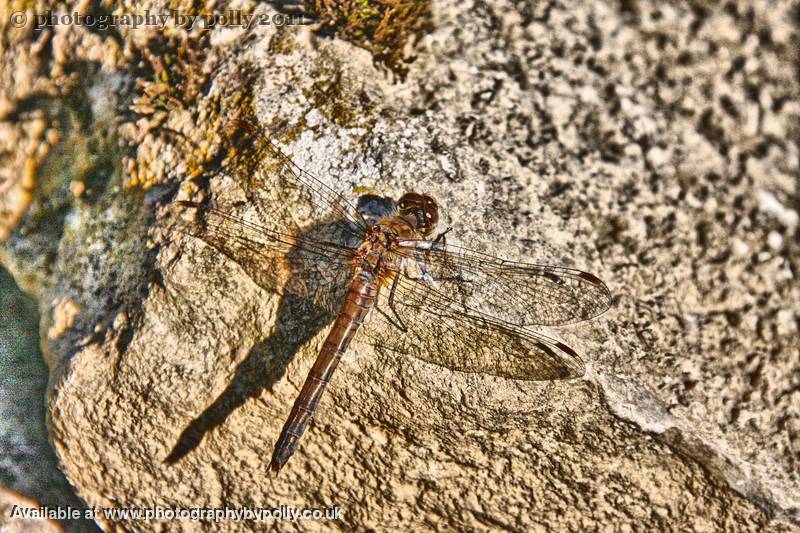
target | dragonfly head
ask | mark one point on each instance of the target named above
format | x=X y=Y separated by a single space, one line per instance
x=422 y=208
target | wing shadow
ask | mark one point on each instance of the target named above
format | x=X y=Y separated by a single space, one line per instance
x=304 y=310
x=302 y=314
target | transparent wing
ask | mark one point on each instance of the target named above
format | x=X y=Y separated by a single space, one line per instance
x=316 y=265
x=278 y=189
x=287 y=229
x=421 y=323
x=520 y=293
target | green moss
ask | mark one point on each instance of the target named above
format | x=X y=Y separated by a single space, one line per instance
x=173 y=66
x=336 y=98
x=383 y=27
x=282 y=43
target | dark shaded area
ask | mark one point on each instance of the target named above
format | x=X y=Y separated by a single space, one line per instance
x=308 y=304
x=28 y=463
x=264 y=366
x=311 y=298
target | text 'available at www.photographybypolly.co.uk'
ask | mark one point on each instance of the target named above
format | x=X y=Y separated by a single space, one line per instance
x=216 y=514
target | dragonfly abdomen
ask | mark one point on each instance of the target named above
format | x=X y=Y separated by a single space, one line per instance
x=360 y=299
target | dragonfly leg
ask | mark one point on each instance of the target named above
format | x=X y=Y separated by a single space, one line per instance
x=391 y=320
x=399 y=324
x=441 y=237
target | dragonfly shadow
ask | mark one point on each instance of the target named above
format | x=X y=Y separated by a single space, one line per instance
x=305 y=308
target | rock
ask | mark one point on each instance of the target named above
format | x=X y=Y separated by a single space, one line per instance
x=612 y=140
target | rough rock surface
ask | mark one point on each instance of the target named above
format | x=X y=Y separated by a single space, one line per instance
x=653 y=145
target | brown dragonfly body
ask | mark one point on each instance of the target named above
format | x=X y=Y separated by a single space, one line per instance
x=441 y=303
x=375 y=265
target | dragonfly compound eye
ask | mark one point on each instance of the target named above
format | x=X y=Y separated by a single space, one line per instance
x=423 y=208
x=431 y=212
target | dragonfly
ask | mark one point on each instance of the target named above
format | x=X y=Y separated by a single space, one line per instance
x=385 y=274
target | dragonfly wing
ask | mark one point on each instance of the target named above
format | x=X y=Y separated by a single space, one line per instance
x=288 y=230
x=278 y=188
x=520 y=293
x=438 y=330
x=313 y=266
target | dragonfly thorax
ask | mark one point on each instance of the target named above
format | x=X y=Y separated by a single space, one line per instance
x=376 y=252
